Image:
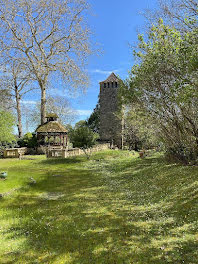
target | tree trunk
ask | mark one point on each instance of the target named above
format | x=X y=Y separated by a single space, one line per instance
x=18 y=106
x=86 y=153
x=136 y=146
x=43 y=104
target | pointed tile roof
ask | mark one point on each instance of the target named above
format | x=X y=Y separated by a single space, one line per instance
x=112 y=78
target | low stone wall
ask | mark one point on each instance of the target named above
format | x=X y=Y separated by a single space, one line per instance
x=44 y=149
x=72 y=152
x=14 y=152
x=66 y=153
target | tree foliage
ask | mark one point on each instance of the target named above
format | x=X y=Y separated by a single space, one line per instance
x=29 y=140
x=139 y=129
x=50 y=36
x=5 y=97
x=164 y=83
x=6 y=127
x=83 y=137
x=93 y=122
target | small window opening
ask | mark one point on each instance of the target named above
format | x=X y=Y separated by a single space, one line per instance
x=104 y=85
x=108 y=84
x=116 y=84
x=112 y=84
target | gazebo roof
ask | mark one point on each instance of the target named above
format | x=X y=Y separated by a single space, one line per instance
x=51 y=127
x=51 y=115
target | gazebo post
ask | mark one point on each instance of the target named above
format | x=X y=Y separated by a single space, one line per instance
x=60 y=140
x=66 y=141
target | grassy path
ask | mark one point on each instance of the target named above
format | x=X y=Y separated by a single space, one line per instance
x=114 y=208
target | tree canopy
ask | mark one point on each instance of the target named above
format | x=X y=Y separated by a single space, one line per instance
x=164 y=83
x=6 y=127
x=83 y=137
x=50 y=37
x=93 y=122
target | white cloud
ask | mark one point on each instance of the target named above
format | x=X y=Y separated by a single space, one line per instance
x=78 y=112
x=56 y=91
x=84 y=112
x=64 y=93
x=29 y=102
x=104 y=72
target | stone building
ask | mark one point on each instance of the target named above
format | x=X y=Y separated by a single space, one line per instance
x=111 y=122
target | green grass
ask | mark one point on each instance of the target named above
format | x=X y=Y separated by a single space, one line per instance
x=114 y=208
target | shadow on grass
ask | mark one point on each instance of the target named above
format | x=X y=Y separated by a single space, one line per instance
x=66 y=161
x=132 y=212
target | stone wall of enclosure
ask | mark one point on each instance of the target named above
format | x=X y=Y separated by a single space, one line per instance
x=14 y=152
x=66 y=153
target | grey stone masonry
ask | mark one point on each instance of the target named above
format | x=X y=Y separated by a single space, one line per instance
x=110 y=123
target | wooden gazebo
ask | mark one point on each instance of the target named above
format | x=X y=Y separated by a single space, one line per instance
x=52 y=133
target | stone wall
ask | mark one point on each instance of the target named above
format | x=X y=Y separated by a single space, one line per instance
x=14 y=152
x=66 y=153
x=43 y=149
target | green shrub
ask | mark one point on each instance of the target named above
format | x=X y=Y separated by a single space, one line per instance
x=83 y=137
x=29 y=140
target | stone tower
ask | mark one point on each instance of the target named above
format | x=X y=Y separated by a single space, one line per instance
x=110 y=123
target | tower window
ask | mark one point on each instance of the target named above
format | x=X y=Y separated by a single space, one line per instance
x=112 y=84
x=116 y=84
x=104 y=85
x=108 y=84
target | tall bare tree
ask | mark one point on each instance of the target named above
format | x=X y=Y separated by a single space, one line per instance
x=57 y=104
x=16 y=82
x=62 y=107
x=177 y=13
x=52 y=35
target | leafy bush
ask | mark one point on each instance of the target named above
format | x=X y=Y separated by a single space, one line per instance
x=29 y=140
x=182 y=153
x=164 y=84
x=6 y=127
x=83 y=137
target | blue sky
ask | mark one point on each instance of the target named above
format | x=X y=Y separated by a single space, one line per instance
x=115 y=25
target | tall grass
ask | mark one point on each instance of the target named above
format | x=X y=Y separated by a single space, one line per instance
x=114 y=208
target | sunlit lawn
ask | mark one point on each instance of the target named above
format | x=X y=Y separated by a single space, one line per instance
x=114 y=208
